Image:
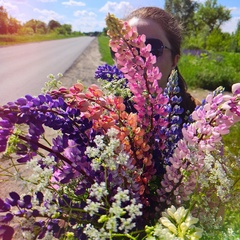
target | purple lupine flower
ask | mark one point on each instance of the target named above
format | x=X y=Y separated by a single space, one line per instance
x=6 y=218
x=14 y=198
x=109 y=73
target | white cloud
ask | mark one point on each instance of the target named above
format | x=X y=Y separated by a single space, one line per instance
x=18 y=1
x=47 y=15
x=87 y=24
x=235 y=11
x=47 y=0
x=8 y=6
x=84 y=13
x=119 y=9
x=74 y=3
x=200 y=1
x=231 y=25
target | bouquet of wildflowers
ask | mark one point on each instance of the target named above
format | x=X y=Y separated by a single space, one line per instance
x=121 y=162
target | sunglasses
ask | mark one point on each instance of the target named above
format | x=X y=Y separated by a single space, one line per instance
x=157 y=47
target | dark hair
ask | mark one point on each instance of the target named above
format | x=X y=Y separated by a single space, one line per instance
x=169 y=24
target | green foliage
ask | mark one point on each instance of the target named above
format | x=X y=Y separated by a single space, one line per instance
x=105 y=49
x=15 y=39
x=53 y=24
x=9 y=25
x=183 y=11
x=232 y=140
x=210 y=71
x=218 y=41
x=3 y=21
x=212 y=14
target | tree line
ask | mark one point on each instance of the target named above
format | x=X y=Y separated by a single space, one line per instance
x=10 y=25
x=201 y=23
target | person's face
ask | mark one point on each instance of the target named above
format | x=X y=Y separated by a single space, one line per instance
x=165 y=62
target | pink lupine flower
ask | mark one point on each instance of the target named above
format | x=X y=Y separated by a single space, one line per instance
x=236 y=88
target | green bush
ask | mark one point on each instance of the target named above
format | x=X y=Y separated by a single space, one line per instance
x=211 y=70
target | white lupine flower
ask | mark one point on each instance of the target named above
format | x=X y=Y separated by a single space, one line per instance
x=179 y=223
x=167 y=223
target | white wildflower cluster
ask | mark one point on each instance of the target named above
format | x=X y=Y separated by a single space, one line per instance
x=52 y=83
x=216 y=173
x=176 y=224
x=95 y=234
x=107 y=153
x=39 y=179
x=114 y=220
x=98 y=190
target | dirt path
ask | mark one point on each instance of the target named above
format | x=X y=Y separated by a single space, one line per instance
x=84 y=67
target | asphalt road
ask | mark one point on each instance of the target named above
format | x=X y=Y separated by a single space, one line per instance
x=24 y=68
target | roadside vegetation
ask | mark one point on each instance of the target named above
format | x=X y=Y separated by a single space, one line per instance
x=6 y=40
x=13 y=32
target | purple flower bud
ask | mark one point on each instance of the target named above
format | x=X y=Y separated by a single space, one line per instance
x=20 y=212
x=42 y=98
x=27 y=201
x=3 y=147
x=28 y=97
x=35 y=213
x=14 y=198
x=4 y=132
x=36 y=102
x=39 y=196
x=24 y=108
x=6 y=232
x=21 y=101
x=5 y=123
x=25 y=158
x=4 y=206
x=6 y=218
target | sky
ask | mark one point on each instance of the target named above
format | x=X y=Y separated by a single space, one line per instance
x=89 y=15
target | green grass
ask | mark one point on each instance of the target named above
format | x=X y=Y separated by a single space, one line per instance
x=210 y=71
x=105 y=50
x=232 y=140
x=6 y=40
